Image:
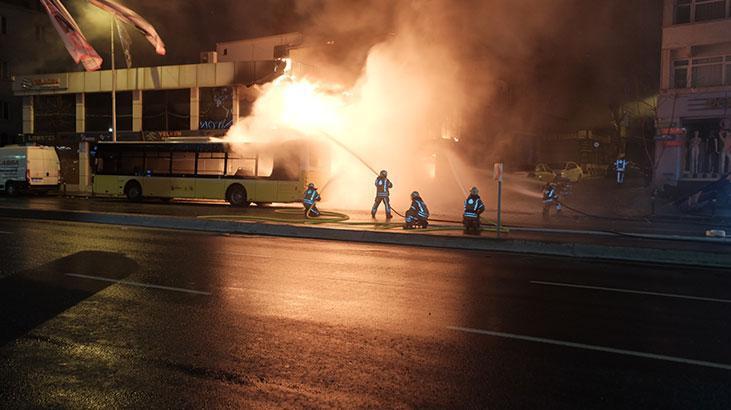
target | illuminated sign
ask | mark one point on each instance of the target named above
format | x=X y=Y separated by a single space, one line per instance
x=43 y=83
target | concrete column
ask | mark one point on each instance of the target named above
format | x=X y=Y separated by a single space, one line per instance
x=235 y=105
x=84 y=168
x=194 y=108
x=136 y=110
x=665 y=67
x=28 y=113
x=80 y=113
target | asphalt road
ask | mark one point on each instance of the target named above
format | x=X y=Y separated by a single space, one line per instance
x=108 y=317
x=691 y=227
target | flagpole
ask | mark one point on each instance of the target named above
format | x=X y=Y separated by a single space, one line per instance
x=114 y=85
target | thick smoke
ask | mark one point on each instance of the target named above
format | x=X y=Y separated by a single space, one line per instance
x=493 y=75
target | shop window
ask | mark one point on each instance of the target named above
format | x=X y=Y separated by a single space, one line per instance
x=166 y=110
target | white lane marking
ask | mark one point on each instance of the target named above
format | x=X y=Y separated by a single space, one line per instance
x=594 y=348
x=639 y=292
x=138 y=284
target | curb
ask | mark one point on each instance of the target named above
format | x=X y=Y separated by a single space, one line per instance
x=506 y=245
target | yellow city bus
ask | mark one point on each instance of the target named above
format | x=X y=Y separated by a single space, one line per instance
x=238 y=173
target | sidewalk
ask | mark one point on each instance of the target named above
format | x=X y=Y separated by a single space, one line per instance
x=284 y=221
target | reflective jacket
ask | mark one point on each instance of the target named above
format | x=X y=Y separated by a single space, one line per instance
x=382 y=186
x=418 y=206
x=550 y=193
x=311 y=196
x=473 y=206
x=620 y=165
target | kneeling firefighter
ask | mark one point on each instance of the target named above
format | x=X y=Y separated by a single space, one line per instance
x=309 y=201
x=551 y=198
x=473 y=207
x=417 y=216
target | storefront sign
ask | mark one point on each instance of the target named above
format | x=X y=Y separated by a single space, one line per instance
x=671 y=131
x=43 y=83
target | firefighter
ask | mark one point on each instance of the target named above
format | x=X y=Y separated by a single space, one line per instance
x=621 y=166
x=382 y=186
x=550 y=197
x=309 y=201
x=418 y=214
x=473 y=207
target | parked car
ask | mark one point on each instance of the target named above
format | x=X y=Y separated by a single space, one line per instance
x=570 y=171
x=29 y=168
x=543 y=172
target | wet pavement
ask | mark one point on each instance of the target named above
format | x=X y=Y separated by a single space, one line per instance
x=103 y=316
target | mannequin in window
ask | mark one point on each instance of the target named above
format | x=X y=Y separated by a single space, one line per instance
x=725 y=151
x=715 y=149
x=695 y=151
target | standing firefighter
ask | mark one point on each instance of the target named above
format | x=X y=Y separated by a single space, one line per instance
x=621 y=166
x=417 y=216
x=309 y=201
x=382 y=187
x=473 y=207
x=550 y=198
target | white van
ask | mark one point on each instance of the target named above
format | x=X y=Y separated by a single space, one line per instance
x=29 y=168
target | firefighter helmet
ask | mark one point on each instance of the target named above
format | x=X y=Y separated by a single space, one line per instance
x=384 y=174
x=311 y=186
x=414 y=195
x=474 y=191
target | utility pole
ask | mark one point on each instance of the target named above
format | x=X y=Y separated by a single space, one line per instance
x=114 y=84
x=498 y=175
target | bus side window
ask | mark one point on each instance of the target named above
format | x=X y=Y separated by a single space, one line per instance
x=131 y=163
x=107 y=163
x=184 y=163
x=241 y=167
x=210 y=163
x=157 y=163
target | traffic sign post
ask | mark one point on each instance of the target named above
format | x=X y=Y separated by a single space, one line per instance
x=498 y=175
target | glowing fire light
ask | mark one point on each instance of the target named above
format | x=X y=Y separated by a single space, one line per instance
x=387 y=117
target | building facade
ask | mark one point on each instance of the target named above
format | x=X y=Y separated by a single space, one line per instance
x=25 y=32
x=693 y=142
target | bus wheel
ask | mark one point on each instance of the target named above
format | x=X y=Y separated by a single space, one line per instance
x=11 y=189
x=133 y=190
x=236 y=195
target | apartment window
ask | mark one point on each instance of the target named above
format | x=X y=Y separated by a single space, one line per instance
x=710 y=9
x=707 y=72
x=682 y=11
x=4 y=110
x=4 y=70
x=688 y=11
x=680 y=74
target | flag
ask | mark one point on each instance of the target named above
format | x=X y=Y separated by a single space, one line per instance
x=75 y=42
x=126 y=41
x=128 y=16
